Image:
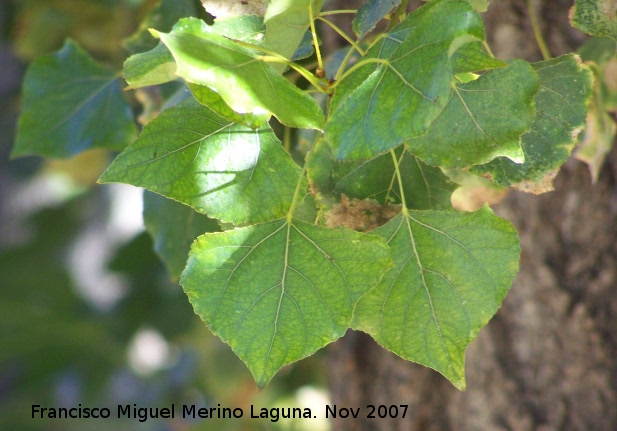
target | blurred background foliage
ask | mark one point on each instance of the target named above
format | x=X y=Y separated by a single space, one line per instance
x=88 y=313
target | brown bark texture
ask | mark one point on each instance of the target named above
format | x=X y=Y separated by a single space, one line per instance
x=548 y=359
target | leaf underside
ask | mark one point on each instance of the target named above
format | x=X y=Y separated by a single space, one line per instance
x=245 y=82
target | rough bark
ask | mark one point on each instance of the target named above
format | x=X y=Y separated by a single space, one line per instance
x=547 y=360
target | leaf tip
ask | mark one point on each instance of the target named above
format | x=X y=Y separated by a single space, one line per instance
x=16 y=152
x=104 y=178
x=155 y=33
x=261 y=383
x=460 y=384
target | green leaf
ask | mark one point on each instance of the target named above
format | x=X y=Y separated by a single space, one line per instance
x=595 y=17
x=226 y=170
x=162 y=17
x=286 y=23
x=561 y=107
x=402 y=84
x=246 y=83
x=66 y=98
x=451 y=272
x=278 y=292
x=153 y=67
x=158 y=66
x=428 y=187
x=370 y=13
x=473 y=129
x=173 y=228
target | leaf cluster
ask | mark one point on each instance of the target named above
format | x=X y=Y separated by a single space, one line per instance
x=320 y=185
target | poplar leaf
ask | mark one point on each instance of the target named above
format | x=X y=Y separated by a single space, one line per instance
x=472 y=128
x=225 y=170
x=245 y=82
x=158 y=66
x=277 y=292
x=402 y=84
x=561 y=107
x=451 y=273
x=66 y=98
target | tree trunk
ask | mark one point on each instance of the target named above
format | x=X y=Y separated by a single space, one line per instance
x=547 y=360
